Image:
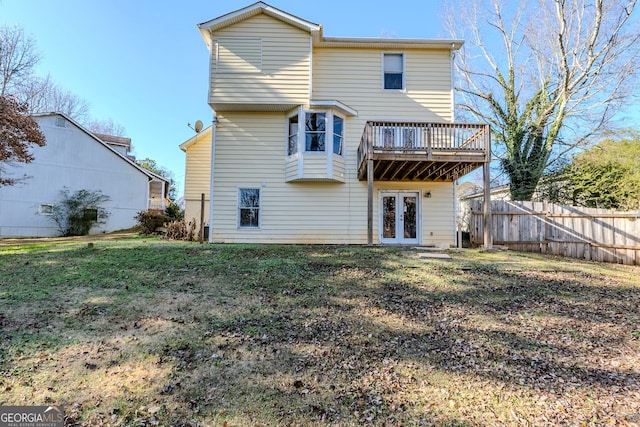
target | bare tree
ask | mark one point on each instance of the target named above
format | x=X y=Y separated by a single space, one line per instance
x=547 y=75
x=106 y=127
x=43 y=95
x=18 y=58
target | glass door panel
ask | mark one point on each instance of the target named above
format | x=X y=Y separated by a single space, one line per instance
x=389 y=217
x=410 y=217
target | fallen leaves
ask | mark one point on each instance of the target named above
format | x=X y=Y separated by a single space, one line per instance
x=285 y=335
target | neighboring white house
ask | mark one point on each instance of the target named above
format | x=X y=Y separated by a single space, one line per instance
x=327 y=139
x=75 y=159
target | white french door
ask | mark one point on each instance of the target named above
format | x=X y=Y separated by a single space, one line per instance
x=399 y=217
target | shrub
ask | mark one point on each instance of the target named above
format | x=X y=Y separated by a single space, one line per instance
x=150 y=222
x=76 y=214
x=180 y=230
x=174 y=212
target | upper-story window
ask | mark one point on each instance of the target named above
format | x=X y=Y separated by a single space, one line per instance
x=393 y=71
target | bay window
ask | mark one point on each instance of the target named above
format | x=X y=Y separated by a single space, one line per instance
x=315 y=130
x=315 y=145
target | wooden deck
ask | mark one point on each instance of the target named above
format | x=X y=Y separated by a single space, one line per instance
x=422 y=151
x=427 y=152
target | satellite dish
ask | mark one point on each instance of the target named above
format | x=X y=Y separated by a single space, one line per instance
x=198 y=126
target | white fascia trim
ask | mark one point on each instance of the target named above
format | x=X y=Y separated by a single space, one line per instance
x=253 y=10
x=335 y=104
x=385 y=43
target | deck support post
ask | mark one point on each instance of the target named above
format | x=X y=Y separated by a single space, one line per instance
x=369 y=200
x=369 y=158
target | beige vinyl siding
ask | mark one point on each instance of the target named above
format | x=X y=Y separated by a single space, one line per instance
x=354 y=76
x=315 y=166
x=239 y=55
x=197 y=178
x=291 y=169
x=285 y=65
x=338 y=168
x=250 y=154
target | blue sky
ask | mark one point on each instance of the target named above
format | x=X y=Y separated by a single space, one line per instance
x=143 y=64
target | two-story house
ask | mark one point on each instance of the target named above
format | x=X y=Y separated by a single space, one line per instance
x=327 y=140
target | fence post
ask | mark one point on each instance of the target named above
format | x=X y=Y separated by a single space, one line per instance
x=201 y=237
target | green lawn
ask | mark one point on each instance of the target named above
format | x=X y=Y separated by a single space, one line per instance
x=142 y=331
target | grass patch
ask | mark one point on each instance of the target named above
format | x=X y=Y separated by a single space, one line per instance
x=149 y=332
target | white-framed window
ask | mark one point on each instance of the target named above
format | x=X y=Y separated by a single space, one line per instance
x=292 y=136
x=248 y=207
x=393 y=75
x=321 y=129
x=338 y=134
x=46 y=209
x=315 y=130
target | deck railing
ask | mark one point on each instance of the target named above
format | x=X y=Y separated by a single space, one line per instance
x=423 y=138
x=156 y=204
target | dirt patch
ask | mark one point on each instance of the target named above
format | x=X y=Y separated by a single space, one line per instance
x=74 y=239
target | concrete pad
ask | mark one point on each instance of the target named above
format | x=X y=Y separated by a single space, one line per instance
x=433 y=255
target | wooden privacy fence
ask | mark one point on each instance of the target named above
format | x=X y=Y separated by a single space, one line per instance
x=586 y=233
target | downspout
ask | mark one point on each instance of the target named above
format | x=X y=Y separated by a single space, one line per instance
x=214 y=124
x=453 y=84
x=456 y=205
x=456 y=209
x=149 y=194
x=162 y=194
